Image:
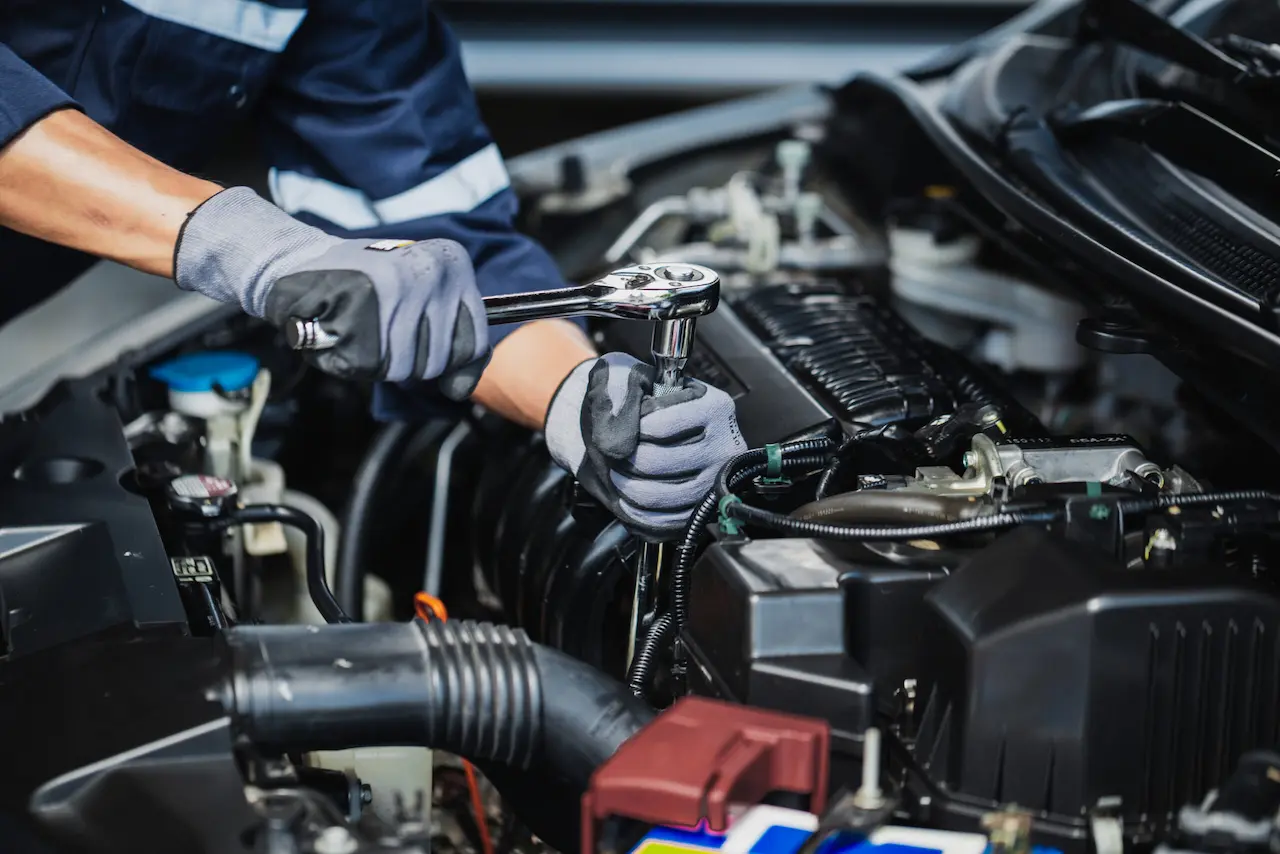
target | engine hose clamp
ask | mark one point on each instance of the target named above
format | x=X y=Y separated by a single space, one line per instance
x=773 y=463
x=729 y=525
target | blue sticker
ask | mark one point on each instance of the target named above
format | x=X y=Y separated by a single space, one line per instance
x=780 y=840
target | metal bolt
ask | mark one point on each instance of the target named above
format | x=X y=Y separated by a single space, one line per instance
x=366 y=794
x=335 y=840
x=967 y=459
x=869 y=796
x=1161 y=540
x=677 y=273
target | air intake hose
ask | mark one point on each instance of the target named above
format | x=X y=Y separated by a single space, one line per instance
x=484 y=692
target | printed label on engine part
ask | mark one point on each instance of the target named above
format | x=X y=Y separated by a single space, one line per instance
x=201 y=486
x=1058 y=442
x=192 y=568
x=389 y=245
x=775 y=830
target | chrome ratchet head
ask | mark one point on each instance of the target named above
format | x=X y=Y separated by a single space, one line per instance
x=641 y=292
x=652 y=292
x=660 y=292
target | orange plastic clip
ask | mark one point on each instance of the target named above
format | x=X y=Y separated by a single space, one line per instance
x=429 y=608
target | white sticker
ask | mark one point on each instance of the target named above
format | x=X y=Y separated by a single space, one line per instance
x=389 y=245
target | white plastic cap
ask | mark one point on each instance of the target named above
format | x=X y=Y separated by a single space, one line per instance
x=793 y=155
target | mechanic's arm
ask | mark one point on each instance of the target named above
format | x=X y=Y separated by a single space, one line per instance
x=67 y=180
x=371 y=129
x=400 y=312
x=374 y=130
x=528 y=367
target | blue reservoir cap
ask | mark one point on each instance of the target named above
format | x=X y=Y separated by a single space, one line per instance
x=195 y=372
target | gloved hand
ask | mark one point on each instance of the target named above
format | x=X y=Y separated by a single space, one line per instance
x=650 y=460
x=403 y=310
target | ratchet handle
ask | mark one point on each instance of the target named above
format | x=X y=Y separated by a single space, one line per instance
x=539 y=305
x=308 y=333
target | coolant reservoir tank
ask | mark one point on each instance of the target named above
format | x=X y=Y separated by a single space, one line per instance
x=209 y=383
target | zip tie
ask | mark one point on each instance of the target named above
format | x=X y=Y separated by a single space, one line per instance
x=729 y=525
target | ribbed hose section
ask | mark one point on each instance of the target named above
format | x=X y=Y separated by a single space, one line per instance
x=469 y=688
x=488 y=694
x=536 y=721
x=642 y=666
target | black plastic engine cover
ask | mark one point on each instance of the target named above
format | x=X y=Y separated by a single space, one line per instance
x=79 y=554
x=796 y=626
x=109 y=724
x=1057 y=678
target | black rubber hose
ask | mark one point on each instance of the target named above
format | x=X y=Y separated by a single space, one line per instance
x=357 y=517
x=1191 y=499
x=996 y=521
x=484 y=692
x=317 y=583
x=646 y=654
x=850 y=533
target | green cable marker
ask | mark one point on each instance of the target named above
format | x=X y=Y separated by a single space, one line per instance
x=729 y=525
x=773 y=475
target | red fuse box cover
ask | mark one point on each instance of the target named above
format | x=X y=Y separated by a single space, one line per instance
x=701 y=756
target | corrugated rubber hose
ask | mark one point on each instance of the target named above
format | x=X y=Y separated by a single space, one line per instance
x=484 y=692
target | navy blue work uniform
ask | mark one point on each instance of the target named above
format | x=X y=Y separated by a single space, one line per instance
x=362 y=107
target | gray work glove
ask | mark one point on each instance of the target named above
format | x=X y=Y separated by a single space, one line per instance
x=402 y=310
x=650 y=460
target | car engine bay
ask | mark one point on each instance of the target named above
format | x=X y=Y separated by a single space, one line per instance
x=1002 y=337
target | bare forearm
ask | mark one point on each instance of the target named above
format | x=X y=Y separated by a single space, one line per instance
x=528 y=367
x=70 y=181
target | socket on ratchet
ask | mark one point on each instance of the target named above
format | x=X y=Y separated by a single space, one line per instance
x=672 y=295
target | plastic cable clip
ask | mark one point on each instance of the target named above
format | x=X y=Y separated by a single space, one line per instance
x=427 y=608
x=729 y=525
x=773 y=475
